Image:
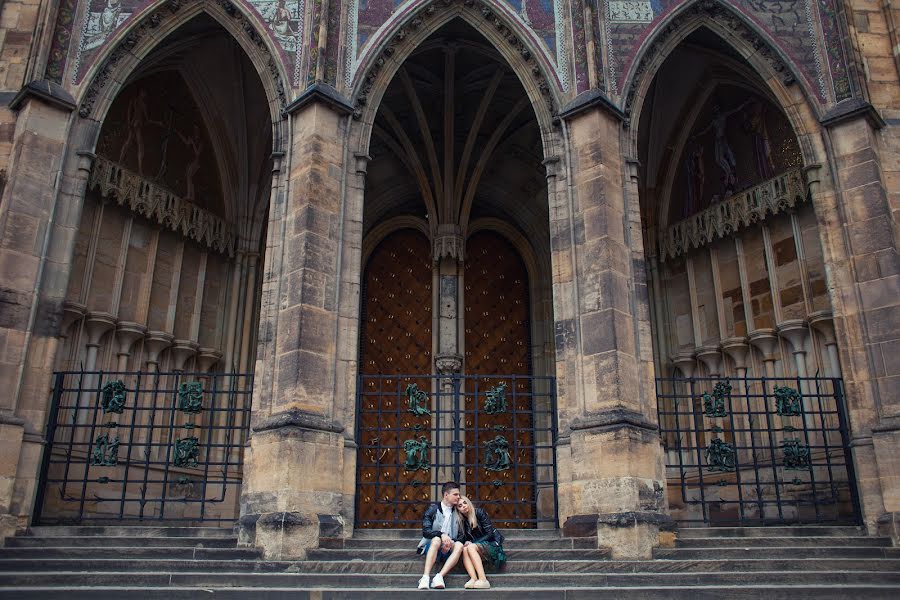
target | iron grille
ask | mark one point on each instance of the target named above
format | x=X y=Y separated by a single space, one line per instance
x=496 y=435
x=141 y=446
x=757 y=451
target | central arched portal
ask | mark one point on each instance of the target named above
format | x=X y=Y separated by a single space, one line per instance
x=456 y=323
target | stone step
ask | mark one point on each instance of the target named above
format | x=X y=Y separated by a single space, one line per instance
x=416 y=534
x=67 y=580
x=91 y=541
x=131 y=552
x=415 y=566
x=402 y=544
x=741 y=592
x=776 y=542
x=774 y=531
x=408 y=553
x=787 y=552
x=136 y=531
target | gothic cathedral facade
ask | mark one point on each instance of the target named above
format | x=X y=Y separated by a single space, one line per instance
x=614 y=266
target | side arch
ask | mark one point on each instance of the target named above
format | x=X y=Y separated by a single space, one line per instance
x=110 y=73
x=792 y=93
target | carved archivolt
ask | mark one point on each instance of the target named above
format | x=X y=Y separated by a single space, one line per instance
x=712 y=10
x=428 y=15
x=156 y=203
x=158 y=19
x=772 y=197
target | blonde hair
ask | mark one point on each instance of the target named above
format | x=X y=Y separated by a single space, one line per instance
x=473 y=521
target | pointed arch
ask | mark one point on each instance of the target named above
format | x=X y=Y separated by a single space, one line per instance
x=792 y=92
x=408 y=31
x=130 y=46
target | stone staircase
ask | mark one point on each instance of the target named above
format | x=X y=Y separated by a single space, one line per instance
x=185 y=562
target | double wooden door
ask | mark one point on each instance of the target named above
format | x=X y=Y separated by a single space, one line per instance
x=489 y=428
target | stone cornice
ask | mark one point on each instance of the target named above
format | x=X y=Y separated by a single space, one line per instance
x=46 y=91
x=299 y=419
x=323 y=93
x=851 y=109
x=613 y=419
x=588 y=100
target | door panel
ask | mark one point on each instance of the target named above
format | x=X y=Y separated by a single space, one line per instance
x=395 y=338
x=497 y=342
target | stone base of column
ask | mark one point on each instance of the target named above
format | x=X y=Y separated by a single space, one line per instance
x=627 y=535
x=889 y=525
x=293 y=480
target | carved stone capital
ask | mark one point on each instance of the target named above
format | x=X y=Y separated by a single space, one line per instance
x=448 y=364
x=448 y=243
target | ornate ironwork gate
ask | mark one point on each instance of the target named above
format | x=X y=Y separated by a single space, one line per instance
x=757 y=451
x=140 y=446
x=496 y=435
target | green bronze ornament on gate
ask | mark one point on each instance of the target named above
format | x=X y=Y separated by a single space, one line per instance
x=105 y=452
x=496 y=400
x=787 y=401
x=720 y=456
x=416 y=454
x=187 y=452
x=190 y=398
x=496 y=456
x=796 y=457
x=417 y=400
x=714 y=404
x=112 y=397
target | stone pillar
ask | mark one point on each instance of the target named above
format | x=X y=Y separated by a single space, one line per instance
x=611 y=470
x=294 y=467
x=766 y=342
x=36 y=236
x=857 y=220
x=126 y=335
x=448 y=255
x=711 y=357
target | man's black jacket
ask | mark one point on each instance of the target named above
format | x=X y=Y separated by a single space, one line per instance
x=428 y=530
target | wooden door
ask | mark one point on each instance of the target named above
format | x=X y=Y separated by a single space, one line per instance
x=395 y=338
x=497 y=343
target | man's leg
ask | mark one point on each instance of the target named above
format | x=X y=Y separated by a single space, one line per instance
x=431 y=556
x=454 y=558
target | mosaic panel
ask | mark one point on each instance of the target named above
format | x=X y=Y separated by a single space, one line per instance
x=281 y=19
x=792 y=23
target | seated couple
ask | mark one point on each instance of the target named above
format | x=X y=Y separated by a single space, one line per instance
x=452 y=528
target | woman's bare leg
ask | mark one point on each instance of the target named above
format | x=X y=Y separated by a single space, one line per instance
x=475 y=555
x=467 y=563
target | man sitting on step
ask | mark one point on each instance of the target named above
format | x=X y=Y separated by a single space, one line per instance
x=441 y=536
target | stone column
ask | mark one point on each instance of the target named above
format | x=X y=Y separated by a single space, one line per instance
x=611 y=470
x=857 y=220
x=126 y=335
x=36 y=237
x=294 y=467
x=823 y=323
x=766 y=342
x=448 y=255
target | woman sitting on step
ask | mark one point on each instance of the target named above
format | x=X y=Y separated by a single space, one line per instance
x=483 y=545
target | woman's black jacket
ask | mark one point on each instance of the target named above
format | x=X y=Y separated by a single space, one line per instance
x=485 y=531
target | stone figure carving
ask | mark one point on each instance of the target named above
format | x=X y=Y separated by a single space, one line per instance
x=723 y=154
x=755 y=124
x=194 y=142
x=136 y=116
x=696 y=178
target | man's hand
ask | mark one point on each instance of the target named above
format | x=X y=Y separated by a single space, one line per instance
x=467 y=544
x=446 y=542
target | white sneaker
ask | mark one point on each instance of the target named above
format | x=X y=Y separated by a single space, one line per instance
x=423 y=582
x=438 y=582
